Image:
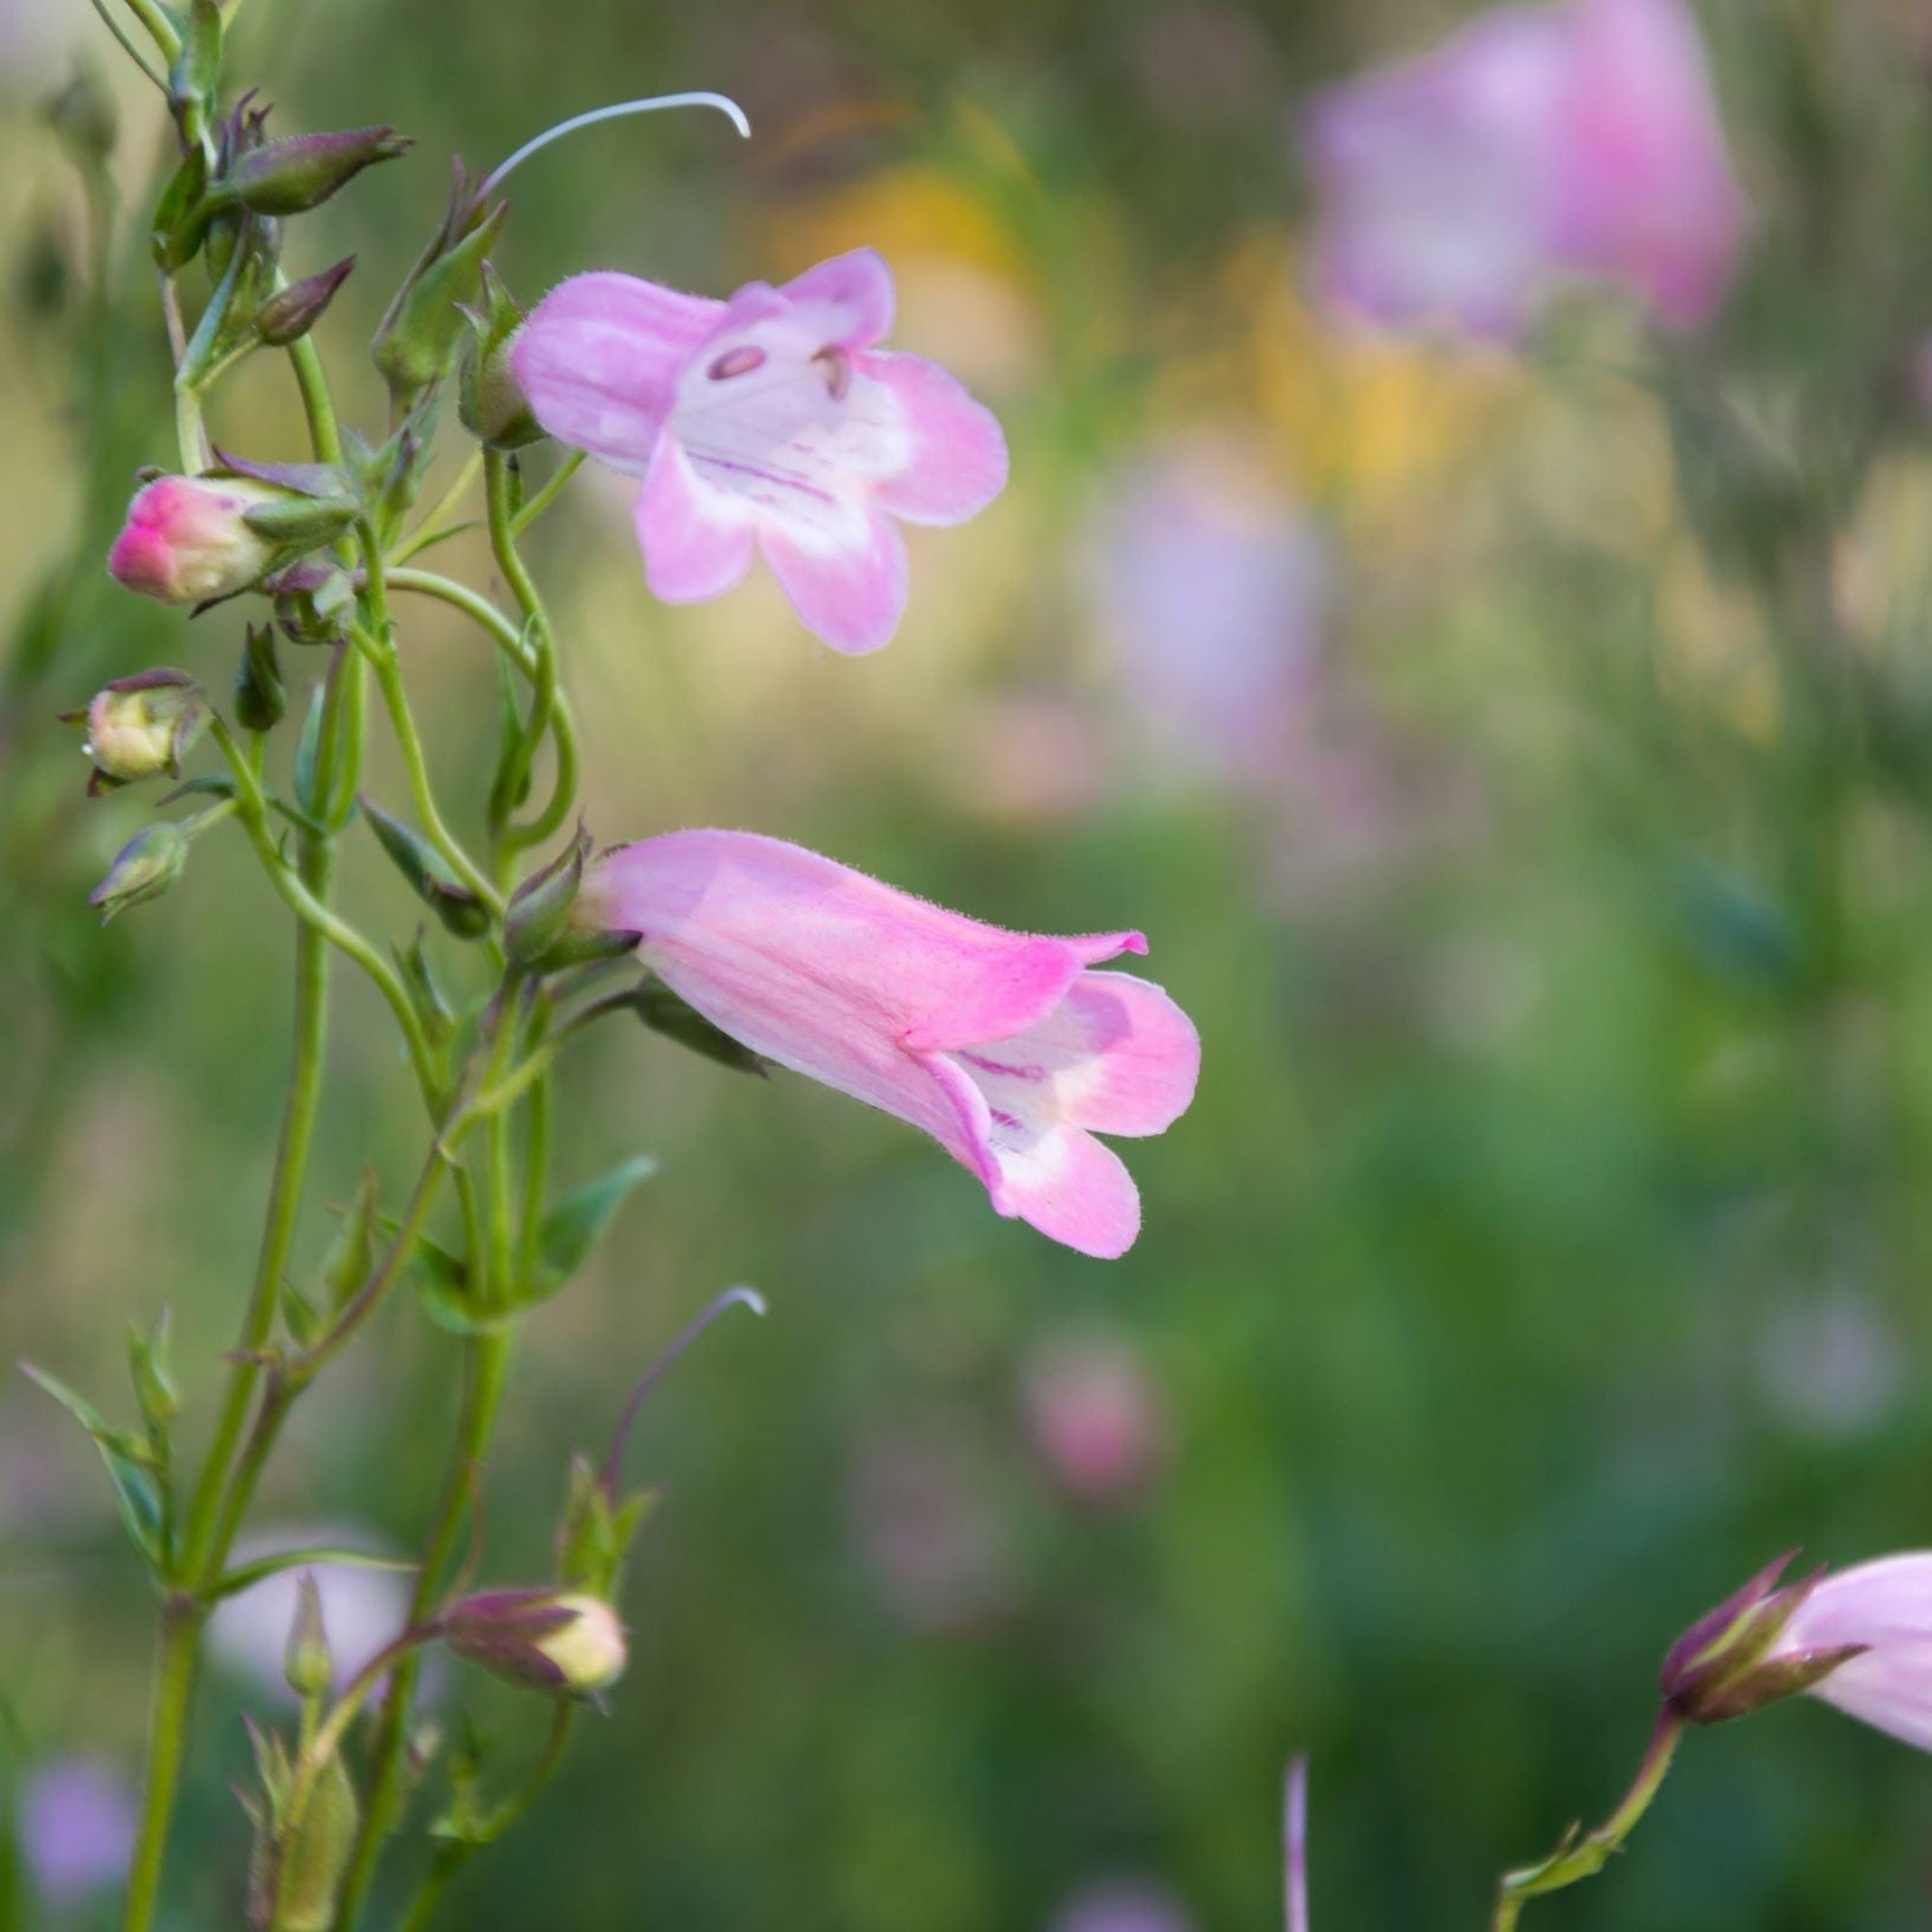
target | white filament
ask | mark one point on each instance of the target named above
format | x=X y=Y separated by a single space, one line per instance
x=617 y=111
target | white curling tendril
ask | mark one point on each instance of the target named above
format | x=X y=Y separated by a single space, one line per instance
x=617 y=111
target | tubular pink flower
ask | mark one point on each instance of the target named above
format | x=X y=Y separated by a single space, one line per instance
x=1885 y=1605
x=185 y=540
x=769 y=422
x=1003 y=1046
x=1576 y=138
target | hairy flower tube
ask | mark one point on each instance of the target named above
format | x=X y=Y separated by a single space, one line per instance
x=187 y=539
x=769 y=422
x=1004 y=1047
x=1579 y=139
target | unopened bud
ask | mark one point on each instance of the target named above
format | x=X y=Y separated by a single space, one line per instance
x=188 y=539
x=540 y=908
x=139 y=727
x=560 y=1640
x=294 y=1876
x=260 y=698
x=493 y=408
x=290 y=313
x=418 y=341
x=292 y=176
x=1732 y=1662
x=306 y=1663
x=143 y=869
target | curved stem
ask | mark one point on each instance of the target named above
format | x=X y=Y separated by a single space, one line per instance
x=473 y=605
x=160 y=27
x=431 y=528
x=549 y=491
x=1575 y=1859
x=128 y=45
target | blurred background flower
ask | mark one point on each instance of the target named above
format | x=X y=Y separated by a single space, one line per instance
x=74 y=1823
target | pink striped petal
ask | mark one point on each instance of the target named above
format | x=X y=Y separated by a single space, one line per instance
x=851 y=597
x=848 y=301
x=1126 y=1055
x=600 y=357
x=956 y=460
x=695 y=543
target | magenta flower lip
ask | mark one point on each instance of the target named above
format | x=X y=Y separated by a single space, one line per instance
x=1005 y=1047
x=771 y=423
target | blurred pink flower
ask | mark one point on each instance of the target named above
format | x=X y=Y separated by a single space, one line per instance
x=1115 y=1905
x=186 y=539
x=1579 y=137
x=1003 y=1046
x=1095 y=1416
x=1212 y=591
x=771 y=421
x=1887 y=1606
x=925 y=1522
x=75 y=1827
x=361 y=1609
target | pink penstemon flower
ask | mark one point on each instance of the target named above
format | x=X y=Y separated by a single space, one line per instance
x=1006 y=1047
x=771 y=422
x=1576 y=138
x=187 y=539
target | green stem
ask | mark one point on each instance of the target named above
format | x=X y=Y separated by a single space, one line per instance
x=549 y=494
x=472 y=605
x=167 y=1742
x=160 y=27
x=1573 y=1859
x=486 y=1368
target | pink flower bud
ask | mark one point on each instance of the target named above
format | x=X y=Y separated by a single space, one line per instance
x=187 y=538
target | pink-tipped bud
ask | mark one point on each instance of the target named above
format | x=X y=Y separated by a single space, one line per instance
x=1742 y=1656
x=560 y=1640
x=187 y=538
x=139 y=727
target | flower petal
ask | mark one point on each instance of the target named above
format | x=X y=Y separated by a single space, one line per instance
x=1123 y=1057
x=1072 y=1189
x=815 y=964
x=848 y=301
x=956 y=460
x=697 y=542
x=852 y=597
x=600 y=357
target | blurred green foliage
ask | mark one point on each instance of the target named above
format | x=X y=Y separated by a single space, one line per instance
x=1548 y=1245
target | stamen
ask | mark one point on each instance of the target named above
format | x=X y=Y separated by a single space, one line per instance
x=739 y=362
x=732 y=1298
x=837 y=367
x=726 y=106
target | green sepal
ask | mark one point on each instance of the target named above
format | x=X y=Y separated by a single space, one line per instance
x=665 y=1012
x=260 y=698
x=439 y=1020
x=131 y=1467
x=422 y=334
x=302 y=1317
x=150 y=1364
x=461 y=912
x=539 y=909
x=308 y=749
x=181 y=215
x=572 y=1227
x=245 y=1575
x=352 y=1251
x=595 y=1534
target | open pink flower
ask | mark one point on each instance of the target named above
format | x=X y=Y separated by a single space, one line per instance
x=1885 y=1606
x=769 y=421
x=1003 y=1046
x=1577 y=138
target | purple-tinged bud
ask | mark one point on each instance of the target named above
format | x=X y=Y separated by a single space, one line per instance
x=540 y=908
x=138 y=727
x=188 y=539
x=290 y=313
x=1742 y=1655
x=559 y=1641
x=292 y=176
x=143 y=869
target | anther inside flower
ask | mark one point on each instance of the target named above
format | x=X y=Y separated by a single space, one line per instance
x=769 y=422
x=1004 y=1047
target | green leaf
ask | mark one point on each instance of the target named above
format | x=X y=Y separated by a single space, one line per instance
x=663 y=1011
x=149 y=1363
x=572 y=1227
x=307 y=749
x=443 y=1283
x=350 y=1254
x=129 y=1467
x=430 y=878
